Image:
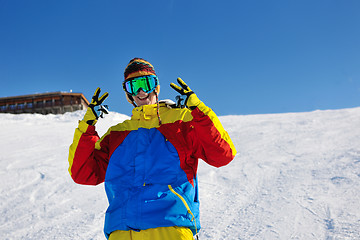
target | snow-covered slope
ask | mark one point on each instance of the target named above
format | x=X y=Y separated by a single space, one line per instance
x=296 y=176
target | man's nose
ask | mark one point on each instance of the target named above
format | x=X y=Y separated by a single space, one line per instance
x=141 y=91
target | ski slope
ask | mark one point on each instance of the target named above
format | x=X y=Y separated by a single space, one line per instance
x=296 y=176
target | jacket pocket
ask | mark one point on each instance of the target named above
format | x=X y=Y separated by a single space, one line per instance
x=186 y=206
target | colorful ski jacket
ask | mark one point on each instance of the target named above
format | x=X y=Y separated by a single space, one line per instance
x=150 y=170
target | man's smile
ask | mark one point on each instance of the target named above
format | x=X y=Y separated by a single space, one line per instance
x=143 y=97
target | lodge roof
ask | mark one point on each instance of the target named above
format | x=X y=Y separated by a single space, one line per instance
x=42 y=95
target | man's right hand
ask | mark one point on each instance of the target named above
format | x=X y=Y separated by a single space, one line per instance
x=91 y=116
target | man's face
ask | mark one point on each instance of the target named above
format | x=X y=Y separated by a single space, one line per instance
x=143 y=98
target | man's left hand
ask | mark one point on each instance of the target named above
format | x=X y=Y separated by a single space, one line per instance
x=191 y=101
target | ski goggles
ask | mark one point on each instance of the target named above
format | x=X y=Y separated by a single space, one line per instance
x=146 y=83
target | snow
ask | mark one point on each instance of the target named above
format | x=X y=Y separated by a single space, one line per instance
x=296 y=176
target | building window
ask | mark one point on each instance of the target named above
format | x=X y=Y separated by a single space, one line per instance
x=48 y=103
x=39 y=104
x=57 y=102
x=21 y=106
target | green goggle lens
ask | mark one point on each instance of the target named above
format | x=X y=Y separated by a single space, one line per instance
x=146 y=83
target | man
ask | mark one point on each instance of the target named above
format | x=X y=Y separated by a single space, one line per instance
x=149 y=163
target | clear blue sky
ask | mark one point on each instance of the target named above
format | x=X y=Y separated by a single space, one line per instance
x=240 y=57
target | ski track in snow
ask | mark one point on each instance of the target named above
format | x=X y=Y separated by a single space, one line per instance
x=296 y=176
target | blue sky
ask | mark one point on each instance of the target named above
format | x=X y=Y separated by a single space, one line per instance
x=240 y=57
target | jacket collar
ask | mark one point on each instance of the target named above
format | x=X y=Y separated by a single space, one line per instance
x=146 y=112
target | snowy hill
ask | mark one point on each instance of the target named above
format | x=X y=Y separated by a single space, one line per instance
x=296 y=176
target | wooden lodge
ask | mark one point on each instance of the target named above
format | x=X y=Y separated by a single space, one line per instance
x=44 y=103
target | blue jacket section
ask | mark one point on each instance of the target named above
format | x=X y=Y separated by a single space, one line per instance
x=137 y=181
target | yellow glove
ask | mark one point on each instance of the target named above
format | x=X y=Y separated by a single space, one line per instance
x=191 y=101
x=91 y=116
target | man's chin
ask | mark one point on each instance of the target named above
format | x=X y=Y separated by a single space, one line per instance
x=142 y=102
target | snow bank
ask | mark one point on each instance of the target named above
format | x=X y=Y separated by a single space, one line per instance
x=296 y=176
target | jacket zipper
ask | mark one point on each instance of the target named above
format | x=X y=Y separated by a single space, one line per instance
x=186 y=206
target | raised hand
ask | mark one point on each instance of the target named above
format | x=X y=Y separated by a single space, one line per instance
x=91 y=116
x=191 y=100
